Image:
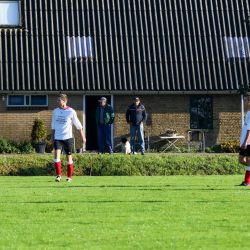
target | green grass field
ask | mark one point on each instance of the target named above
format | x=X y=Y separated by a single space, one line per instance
x=176 y=212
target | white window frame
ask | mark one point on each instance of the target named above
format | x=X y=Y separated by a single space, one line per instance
x=19 y=12
x=25 y=105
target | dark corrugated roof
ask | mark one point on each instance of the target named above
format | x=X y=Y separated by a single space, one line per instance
x=133 y=45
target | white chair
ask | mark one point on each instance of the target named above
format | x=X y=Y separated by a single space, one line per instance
x=196 y=137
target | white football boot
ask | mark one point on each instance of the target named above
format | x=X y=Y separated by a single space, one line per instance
x=58 y=178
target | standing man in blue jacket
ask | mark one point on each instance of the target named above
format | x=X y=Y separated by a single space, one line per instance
x=104 y=117
x=136 y=115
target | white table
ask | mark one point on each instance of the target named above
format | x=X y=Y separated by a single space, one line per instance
x=171 y=142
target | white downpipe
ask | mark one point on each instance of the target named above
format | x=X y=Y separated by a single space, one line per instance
x=112 y=126
x=242 y=111
x=84 y=120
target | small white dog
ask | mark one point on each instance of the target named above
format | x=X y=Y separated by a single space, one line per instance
x=125 y=146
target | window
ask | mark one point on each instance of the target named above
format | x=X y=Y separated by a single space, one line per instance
x=80 y=49
x=236 y=48
x=38 y=100
x=201 y=113
x=27 y=100
x=16 y=100
x=10 y=13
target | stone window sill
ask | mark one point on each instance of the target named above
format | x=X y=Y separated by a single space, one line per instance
x=27 y=108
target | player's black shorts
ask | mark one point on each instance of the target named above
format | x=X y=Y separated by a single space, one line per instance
x=245 y=152
x=64 y=145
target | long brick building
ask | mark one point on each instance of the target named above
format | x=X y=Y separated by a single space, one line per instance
x=185 y=60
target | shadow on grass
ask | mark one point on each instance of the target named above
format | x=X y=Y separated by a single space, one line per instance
x=59 y=202
x=52 y=202
x=141 y=188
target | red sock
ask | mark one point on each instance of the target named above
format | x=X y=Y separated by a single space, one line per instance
x=70 y=169
x=247 y=176
x=58 y=167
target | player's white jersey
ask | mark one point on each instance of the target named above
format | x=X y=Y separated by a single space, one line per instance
x=246 y=127
x=62 y=122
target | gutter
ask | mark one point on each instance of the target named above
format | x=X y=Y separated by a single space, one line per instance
x=124 y=92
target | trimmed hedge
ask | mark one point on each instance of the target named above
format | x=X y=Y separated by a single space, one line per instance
x=123 y=165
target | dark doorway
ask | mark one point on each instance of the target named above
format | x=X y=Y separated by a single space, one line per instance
x=91 y=126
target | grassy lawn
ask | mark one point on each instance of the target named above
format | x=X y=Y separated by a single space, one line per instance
x=161 y=212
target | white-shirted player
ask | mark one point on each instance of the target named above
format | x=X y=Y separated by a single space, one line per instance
x=62 y=121
x=244 y=157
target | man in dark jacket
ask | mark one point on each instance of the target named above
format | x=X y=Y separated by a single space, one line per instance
x=136 y=115
x=104 y=117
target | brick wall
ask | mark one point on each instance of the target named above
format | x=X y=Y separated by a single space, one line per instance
x=164 y=111
x=172 y=111
x=17 y=124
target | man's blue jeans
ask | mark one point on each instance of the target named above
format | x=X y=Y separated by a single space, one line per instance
x=133 y=129
x=104 y=129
